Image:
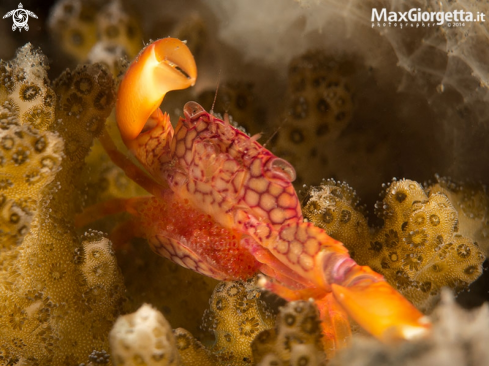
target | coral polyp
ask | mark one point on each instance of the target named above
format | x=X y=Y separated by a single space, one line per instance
x=61 y=298
x=421 y=246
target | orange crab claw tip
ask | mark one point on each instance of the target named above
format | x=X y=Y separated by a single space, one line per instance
x=174 y=56
x=382 y=311
x=162 y=66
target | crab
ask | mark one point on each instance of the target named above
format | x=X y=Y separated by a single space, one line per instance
x=223 y=205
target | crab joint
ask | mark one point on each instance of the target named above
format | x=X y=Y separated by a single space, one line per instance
x=162 y=66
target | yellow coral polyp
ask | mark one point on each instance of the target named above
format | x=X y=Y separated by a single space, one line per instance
x=236 y=317
x=295 y=340
x=420 y=247
x=61 y=303
x=319 y=107
x=80 y=25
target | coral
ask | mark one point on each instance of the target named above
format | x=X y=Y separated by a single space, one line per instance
x=296 y=339
x=420 y=247
x=80 y=25
x=114 y=57
x=456 y=51
x=192 y=352
x=319 y=107
x=60 y=294
x=236 y=317
x=30 y=160
x=472 y=204
x=117 y=27
x=143 y=338
x=459 y=337
x=317 y=127
x=26 y=95
x=143 y=273
x=73 y=22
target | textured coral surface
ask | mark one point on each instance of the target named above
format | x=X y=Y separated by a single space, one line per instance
x=295 y=340
x=236 y=317
x=143 y=338
x=60 y=293
x=243 y=328
x=320 y=106
x=421 y=246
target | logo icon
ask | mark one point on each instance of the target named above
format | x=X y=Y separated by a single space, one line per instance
x=20 y=17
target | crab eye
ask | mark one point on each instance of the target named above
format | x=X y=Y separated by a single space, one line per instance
x=192 y=110
x=280 y=169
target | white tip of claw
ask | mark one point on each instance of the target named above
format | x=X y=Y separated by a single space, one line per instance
x=411 y=333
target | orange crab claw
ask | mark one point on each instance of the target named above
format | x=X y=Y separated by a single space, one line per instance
x=381 y=310
x=162 y=66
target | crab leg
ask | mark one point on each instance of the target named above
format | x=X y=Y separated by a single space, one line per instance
x=377 y=307
x=124 y=232
x=281 y=289
x=334 y=319
x=130 y=169
x=362 y=293
x=103 y=209
x=334 y=324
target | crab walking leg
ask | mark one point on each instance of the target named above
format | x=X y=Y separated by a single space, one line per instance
x=335 y=325
x=287 y=293
x=124 y=232
x=130 y=169
x=100 y=210
x=361 y=292
x=369 y=299
x=334 y=320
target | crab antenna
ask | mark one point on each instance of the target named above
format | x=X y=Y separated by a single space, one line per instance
x=275 y=132
x=162 y=66
x=217 y=89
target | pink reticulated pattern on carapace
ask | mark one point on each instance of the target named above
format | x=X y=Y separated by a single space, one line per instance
x=226 y=171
